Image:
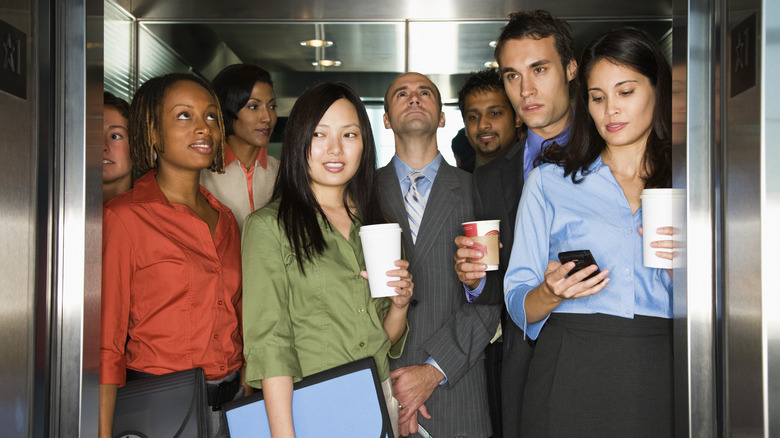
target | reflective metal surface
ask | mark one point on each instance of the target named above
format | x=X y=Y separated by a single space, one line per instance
x=770 y=213
x=693 y=77
x=742 y=291
x=371 y=53
x=17 y=242
x=77 y=212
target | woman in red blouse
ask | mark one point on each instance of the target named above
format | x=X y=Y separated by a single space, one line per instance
x=171 y=252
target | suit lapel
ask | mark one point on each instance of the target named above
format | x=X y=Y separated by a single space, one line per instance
x=441 y=201
x=512 y=178
x=393 y=205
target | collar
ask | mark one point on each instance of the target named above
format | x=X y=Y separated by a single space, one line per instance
x=562 y=138
x=262 y=156
x=430 y=170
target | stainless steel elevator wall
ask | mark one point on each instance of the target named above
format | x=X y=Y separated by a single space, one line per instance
x=17 y=240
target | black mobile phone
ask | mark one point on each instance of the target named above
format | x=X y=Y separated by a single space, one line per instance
x=582 y=259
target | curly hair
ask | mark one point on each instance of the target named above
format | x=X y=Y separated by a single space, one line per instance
x=145 y=122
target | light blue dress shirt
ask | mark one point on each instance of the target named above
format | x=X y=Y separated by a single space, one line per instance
x=557 y=215
x=424 y=186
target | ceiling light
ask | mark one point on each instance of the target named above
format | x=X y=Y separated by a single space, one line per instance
x=317 y=43
x=492 y=44
x=327 y=63
x=491 y=64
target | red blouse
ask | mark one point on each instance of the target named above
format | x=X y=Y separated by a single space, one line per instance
x=171 y=297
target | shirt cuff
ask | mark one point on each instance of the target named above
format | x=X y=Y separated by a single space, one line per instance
x=472 y=295
x=431 y=361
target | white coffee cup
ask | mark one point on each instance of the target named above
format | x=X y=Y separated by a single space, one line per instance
x=381 y=248
x=660 y=208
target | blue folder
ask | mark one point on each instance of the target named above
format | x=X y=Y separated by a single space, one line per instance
x=346 y=401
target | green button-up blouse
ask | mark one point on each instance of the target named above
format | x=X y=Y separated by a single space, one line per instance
x=297 y=325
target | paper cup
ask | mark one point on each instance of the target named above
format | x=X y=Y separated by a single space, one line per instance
x=381 y=248
x=660 y=208
x=485 y=237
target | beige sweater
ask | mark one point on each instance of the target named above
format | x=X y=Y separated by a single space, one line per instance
x=230 y=188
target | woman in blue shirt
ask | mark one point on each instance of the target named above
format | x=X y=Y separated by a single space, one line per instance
x=603 y=363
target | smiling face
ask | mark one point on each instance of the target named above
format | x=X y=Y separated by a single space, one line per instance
x=336 y=148
x=621 y=103
x=412 y=102
x=190 y=128
x=491 y=126
x=116 y=148
x=255 y=121
x=537 y=83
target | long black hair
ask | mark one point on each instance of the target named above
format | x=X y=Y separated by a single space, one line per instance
x=635 y=49
x=298 y=207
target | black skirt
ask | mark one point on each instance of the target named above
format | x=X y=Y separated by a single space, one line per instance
x=600 y=376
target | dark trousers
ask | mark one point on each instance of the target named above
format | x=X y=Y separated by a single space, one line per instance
x=493 y=354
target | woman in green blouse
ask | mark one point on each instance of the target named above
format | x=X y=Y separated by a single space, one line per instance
x=306 y=306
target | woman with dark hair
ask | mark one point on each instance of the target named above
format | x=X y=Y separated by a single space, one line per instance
x=603 y=359
x=307 y=307
x=171 y=284
x=248 y=103
x=117 y=168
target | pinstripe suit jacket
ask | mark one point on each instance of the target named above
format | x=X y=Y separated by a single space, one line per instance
x=442 y=324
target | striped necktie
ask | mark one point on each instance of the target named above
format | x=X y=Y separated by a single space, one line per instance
x=415 y=204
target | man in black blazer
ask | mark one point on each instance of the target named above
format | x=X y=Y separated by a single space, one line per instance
x=491 y=127
x=535 y=53
x=439 y=380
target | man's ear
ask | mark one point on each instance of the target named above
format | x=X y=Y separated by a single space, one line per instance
x=386 y=119
x=571 y=70
x=441 y=120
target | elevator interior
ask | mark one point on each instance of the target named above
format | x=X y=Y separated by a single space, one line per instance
x=726 y=319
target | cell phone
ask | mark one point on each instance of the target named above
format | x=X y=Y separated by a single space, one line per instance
x=582 y=259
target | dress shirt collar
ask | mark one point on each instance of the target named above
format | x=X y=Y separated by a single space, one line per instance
x=262 y=157
x=430 y=170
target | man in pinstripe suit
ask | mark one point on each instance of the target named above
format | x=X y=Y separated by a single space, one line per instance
x=439 y=380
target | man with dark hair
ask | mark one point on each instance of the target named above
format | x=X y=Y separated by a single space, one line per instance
x=440 y=374
x=488 y=116
x=535 y=54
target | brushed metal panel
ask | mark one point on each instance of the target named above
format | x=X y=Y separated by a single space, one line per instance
x=770 y=215
x=78 y=209
x=742 y=288
x=17 y=293
x=392 y=10
x=693 y=146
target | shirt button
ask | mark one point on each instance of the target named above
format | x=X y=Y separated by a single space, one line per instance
x=219 y=269
x=216 y=336
x=628 y=312
x=362 y=344
x=357 y=276
x=628 y=272
x=219 y=302
x=360 y=310
x=222 y=367
x=628 y=230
